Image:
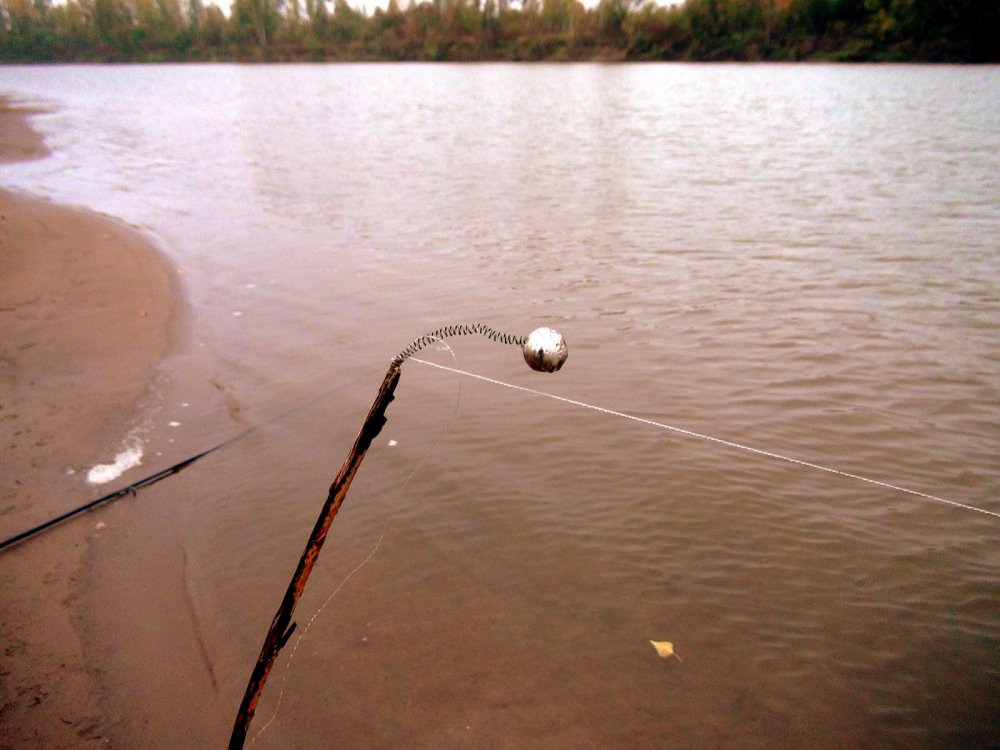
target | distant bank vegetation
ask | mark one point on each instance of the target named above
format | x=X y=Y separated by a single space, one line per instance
x=278 y=30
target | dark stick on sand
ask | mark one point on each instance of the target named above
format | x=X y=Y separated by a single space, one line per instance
x=281 y=627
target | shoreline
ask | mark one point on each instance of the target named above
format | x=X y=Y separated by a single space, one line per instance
x=18 y=140
x=88 y=309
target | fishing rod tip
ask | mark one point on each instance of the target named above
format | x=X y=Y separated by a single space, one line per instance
x=545 y=350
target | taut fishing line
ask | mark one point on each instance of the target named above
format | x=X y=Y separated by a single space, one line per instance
x=544 y=350
x=424 y=341
x=717 y=441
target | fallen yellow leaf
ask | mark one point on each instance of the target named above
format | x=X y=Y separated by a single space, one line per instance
x=665 y=649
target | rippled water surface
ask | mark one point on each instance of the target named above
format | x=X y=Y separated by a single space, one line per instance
x=804 y=260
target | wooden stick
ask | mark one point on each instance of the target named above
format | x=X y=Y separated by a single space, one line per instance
x=280 y=630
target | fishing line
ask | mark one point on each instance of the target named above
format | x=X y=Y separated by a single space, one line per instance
x=415 y=346
x=385 y=524
x=718 y=441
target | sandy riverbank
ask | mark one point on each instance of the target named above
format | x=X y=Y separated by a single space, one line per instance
x=86 y=311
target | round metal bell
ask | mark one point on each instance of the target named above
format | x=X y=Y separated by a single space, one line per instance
x=545 y=350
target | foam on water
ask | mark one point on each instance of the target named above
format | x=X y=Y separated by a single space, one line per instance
x=128 y=458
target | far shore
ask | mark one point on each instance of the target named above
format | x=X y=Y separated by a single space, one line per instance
x=87 y=308
x=661 y=31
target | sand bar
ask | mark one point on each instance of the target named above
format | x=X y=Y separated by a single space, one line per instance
x=86 y=313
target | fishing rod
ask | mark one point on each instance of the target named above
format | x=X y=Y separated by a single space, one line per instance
x=544 y=350
x=129 y=490
x=155 y=477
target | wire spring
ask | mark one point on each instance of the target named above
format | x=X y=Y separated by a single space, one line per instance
x=456 y=330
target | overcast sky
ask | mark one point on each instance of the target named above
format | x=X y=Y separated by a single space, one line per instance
x=370 y=5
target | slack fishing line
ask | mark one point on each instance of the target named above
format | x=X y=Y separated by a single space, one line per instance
x=378 y=542
x=544 y=350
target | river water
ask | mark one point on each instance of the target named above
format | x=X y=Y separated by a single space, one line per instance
x=801 y=259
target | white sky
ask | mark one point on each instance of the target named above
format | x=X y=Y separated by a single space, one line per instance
x=371 y=5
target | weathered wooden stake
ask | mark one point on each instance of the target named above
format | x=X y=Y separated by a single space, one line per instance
x=281 y=628
x=543 y=349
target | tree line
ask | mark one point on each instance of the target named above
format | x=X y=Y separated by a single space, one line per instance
x=701 y=30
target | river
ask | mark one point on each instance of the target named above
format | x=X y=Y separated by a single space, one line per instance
x=802 y=260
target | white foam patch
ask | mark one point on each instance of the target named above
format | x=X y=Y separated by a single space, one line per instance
x=127 y=459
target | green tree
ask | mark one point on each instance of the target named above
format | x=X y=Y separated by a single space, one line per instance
x=113 y=22
x=611 y=15
x=71 y=31
x=558 y=15
x=253 y=21
x=319 y=19
x=212 y=28
x=346 y=23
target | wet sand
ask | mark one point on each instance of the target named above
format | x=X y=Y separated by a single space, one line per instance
x=86 y=313
x=18 y=140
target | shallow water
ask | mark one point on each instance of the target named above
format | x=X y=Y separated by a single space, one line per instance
x=802 y=259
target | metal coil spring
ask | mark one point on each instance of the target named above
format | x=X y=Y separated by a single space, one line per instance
x=457 y=330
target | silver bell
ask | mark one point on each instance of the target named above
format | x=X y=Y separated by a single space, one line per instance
x=545 y=350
